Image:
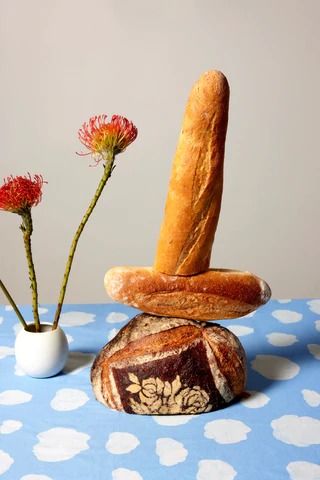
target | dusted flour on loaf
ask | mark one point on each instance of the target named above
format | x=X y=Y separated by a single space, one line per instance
x=162 y=366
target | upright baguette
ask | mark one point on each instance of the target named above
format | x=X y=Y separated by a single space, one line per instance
x=195 y=188
x=213 y=295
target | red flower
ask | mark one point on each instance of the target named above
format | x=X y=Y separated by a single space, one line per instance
x=102 y=137
x=18 y=194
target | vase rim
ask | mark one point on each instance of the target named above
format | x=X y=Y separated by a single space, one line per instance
x=47 y=328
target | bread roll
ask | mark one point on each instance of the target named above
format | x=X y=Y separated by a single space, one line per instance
x=158 y=365
x=213 y=295
x=195 y=189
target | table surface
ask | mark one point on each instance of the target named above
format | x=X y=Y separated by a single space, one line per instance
x=54 y=429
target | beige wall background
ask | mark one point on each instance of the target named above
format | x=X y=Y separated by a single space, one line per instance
x=63 y=61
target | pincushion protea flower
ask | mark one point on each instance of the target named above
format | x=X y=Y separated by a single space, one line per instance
x=104 y=140
x=20 y=193
x=102 y=137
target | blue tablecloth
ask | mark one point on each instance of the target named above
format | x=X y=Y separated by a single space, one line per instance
x=55 y=429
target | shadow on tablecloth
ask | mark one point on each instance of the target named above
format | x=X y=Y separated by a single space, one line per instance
x=268 y=364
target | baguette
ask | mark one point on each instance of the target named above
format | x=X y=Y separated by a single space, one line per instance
x=214 y=295
x=158 y=365
x=195 y=188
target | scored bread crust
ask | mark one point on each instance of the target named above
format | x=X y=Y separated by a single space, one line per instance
x=195 y=189
x=213 y=295
x=147 y=339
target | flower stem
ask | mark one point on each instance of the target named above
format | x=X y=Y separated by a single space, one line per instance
x=13 y=304
x=27 y=229
x=108 y=167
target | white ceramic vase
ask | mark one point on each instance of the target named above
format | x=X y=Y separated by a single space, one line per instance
x=42 y=354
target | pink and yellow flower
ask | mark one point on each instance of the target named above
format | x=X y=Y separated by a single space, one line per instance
x=102 y=138
x=20 y=193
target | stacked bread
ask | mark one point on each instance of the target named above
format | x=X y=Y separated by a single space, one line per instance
x=168 y=360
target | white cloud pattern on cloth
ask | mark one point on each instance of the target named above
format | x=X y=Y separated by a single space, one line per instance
x=10 y=426
x=240 y=330
x=76 y=319
x=281 y=339
x=215 y=470
x=314 y=349
x=59 y=444
x=303 y=471
x=121 y=442
x=275 y=367
x=14 y=397
x=35 y=476
x=170 y=451
x=5 y=461
x=67 y=399
x=6 y=351
x=172 y=420
x=295 y=430
x=255 y=400
x=116 y=317
x=126 y=474
x=226 y=431
x=287 y=316
x=311 y=397
x=314 y=305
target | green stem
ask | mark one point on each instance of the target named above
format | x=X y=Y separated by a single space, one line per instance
x=13 y=304
x=106 y=174
x=27 y=229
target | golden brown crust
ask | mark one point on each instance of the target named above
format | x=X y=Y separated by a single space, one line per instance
x=214 y=295
x=229 y=357
x=161 y=365
x=195 y=189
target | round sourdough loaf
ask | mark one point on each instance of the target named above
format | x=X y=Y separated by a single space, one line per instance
x=169 y=366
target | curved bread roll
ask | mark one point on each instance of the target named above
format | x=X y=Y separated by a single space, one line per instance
x=159 y=365
x=213 y=295
x=195 y=188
